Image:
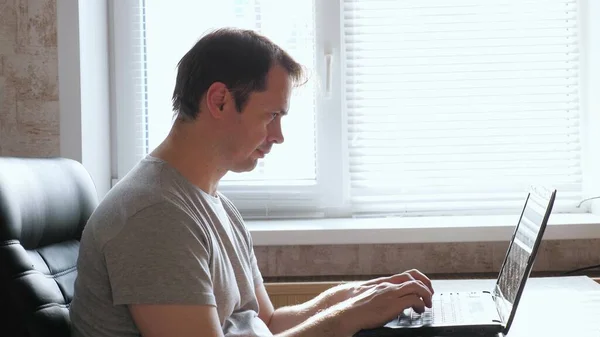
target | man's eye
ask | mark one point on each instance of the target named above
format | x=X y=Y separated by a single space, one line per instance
x=274 y=115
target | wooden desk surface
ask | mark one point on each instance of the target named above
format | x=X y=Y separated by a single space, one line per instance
x=552 y=306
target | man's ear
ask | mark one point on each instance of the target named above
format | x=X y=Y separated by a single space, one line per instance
x=217 y=97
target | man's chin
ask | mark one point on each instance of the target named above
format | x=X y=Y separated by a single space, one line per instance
x=246 y=166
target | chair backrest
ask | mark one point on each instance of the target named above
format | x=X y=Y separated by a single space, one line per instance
x=44 y=206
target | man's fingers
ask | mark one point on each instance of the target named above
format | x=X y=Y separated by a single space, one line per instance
x=416 y=288
x=411 y=301
x=410 y=275
x=417 y=275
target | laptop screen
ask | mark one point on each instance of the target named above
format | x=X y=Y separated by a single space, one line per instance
x=516 y=266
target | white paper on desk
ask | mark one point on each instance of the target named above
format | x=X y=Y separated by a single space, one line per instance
x=558 y=312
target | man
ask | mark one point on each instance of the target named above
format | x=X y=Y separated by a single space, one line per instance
x=165 y=254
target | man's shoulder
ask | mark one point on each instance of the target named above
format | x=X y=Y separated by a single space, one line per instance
x=143 y=189
x=143 y=186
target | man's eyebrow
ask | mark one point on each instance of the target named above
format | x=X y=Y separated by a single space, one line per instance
x=283 y=112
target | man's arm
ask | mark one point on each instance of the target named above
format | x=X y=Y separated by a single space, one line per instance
x=287 y=317
x=370 y=309
x=201 y=320
x=154 y=320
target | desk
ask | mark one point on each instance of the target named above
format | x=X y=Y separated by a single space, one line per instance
x=549 y=306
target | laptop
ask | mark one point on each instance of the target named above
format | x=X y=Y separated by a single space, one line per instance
x=483 y=313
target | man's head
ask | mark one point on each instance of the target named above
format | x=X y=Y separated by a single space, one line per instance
x=240 y=83
x=240 y=59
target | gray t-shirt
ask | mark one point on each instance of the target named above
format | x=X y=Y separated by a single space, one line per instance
x=158 y=239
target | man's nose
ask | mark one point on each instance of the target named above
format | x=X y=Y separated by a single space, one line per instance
x=275 y=134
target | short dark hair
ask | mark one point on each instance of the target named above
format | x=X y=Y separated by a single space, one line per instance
x=238 y=58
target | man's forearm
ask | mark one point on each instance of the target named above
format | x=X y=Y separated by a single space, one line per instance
x=326 y=323
x=288 y=317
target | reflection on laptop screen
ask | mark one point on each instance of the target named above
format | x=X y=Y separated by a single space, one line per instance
x=515 y=266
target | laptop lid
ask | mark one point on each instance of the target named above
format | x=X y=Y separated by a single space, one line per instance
x=521 y=252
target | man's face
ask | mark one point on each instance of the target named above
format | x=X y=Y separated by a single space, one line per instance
x=254 y=131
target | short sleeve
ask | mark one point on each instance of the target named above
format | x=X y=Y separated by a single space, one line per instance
x=160 y=257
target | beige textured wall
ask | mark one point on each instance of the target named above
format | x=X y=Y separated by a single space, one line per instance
x=29 y=113
x=554 y=258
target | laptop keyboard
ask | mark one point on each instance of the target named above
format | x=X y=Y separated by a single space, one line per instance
x=448 y=308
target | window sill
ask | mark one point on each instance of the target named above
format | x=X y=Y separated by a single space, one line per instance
x=413 y=230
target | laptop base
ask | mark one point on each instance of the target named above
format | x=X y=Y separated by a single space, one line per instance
x=453 y=313
x=491 y=330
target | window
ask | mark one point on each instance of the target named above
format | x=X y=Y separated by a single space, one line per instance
x=468 y=102
x=412 y=107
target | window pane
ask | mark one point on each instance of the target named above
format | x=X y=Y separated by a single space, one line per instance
x=461 y=105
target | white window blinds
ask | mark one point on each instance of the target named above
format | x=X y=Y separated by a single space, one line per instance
x=458 y=106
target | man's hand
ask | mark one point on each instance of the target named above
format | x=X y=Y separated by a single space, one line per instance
x=346 y=291
x=380 y=303
x=350 y=307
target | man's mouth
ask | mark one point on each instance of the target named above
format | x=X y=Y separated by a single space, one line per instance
x=262 y=153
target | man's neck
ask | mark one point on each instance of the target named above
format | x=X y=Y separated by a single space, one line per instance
x=196 y=160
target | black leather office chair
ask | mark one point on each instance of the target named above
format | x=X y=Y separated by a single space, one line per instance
x=44 y=205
